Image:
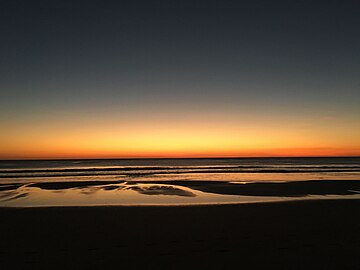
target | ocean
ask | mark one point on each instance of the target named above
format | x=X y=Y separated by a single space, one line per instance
x=175 y=181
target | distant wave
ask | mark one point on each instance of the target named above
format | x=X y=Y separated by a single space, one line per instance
x=150 y=170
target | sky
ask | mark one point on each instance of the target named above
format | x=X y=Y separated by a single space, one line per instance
x=140 y=78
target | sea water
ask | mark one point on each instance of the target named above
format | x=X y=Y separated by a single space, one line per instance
x=175 y=181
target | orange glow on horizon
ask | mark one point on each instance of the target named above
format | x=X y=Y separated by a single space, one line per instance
x=235 y=154
x=177 y=139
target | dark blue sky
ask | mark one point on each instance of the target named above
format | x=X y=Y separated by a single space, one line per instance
x=164 y=58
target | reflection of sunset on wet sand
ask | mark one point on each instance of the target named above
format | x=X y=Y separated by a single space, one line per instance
x=171 y=193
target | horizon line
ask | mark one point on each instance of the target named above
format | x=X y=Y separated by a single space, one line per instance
x=148 y=158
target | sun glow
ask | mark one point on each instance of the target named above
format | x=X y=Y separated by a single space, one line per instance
x=169 y=139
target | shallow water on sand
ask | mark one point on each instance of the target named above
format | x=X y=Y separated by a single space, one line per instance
x=176 y=181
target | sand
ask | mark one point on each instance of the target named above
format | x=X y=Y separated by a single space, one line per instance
x=292 y=235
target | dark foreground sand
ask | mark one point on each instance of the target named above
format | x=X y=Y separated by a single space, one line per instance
x=291 y=235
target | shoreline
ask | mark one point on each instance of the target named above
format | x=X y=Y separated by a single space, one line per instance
x=177 y=205
x=170 y=193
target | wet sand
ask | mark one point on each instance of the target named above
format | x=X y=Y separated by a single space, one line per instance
x=121 y=193
x=292 y=235
x=285 y=189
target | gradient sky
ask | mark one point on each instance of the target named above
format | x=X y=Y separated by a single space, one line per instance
x=179 y=78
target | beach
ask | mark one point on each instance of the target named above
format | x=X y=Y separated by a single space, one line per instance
x=317 y=234
x=180 y=135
